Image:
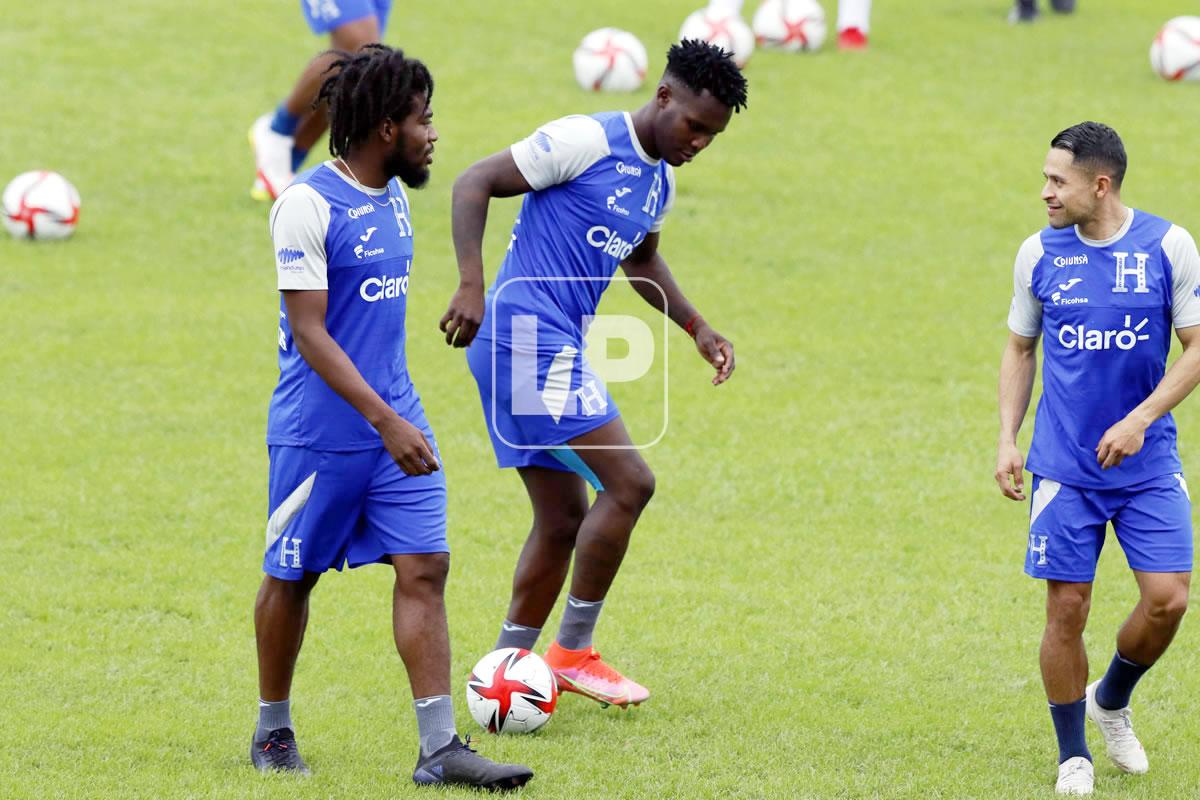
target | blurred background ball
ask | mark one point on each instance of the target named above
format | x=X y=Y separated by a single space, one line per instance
x=796 y=25
x=610 y=60
x=727 y=31
x=40 y=205
x=1175 y=52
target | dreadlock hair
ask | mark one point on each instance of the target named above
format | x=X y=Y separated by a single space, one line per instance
x=365 y=88
x=702 y=67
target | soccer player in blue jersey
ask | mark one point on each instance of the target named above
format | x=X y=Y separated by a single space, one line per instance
x=597 y=189
x=1103 y=286
x=355 y=476
x=281 y=139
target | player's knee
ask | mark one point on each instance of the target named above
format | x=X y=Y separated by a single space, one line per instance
x=421 y=574
x=1067 y=612
x=1166 y=610
x=635 y=487
x=560 y=526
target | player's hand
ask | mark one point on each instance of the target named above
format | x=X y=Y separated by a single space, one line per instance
x=408 y=446
x=717 y=350
x=1120 y=442
x=461 y=321
x=1010 y=471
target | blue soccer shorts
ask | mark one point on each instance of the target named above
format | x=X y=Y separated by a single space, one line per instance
x=329 y=509
x=1152 y=521
x=324 y=16
x=532 y=411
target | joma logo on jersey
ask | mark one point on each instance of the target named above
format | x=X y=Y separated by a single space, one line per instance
x=611 y=243
x=1058 y=298
x=361 y=211
x=1080 y=337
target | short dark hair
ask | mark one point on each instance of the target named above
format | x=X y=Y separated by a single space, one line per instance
x=701 y=67
x=1095 y=146
x=365 y=88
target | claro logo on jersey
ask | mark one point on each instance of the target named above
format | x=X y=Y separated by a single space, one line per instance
x=383 y=288
x=1081 y=337
x=611 y=243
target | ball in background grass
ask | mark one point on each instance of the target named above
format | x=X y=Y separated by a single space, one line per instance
x=1175 y=51
x=793 y=25
x=610 y=60
x=727 y=31
x=40 y=205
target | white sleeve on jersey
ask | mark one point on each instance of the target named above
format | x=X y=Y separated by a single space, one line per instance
x=667 y=206
x=560 y=151
x=299 y=222
x=1180 y=250
x=1025 y=315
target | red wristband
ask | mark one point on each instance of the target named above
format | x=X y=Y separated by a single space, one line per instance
x=688 y=326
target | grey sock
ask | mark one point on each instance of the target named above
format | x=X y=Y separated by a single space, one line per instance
x=578 y=622
x=514 y=635
x=435 y=722
x=272 y=717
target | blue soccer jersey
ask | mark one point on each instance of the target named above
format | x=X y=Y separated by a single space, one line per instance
x=1106 y=309
x=356 y=243
x=596 y=196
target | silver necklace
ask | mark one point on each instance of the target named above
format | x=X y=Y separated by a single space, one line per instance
x=370 y=197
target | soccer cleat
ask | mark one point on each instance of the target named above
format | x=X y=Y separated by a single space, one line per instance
x=1075 y=776
x=852 y=39
x=457 y=764
x=1022 y=13
x=272 y=157
x=1122 y=745
x=585 y=673
x=259 y=190
x=1063 y=6
x=278 y=753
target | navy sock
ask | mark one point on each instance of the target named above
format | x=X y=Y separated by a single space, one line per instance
x=284 y=121
x=1068 y=727
x=298 y=157
x=1117 y=684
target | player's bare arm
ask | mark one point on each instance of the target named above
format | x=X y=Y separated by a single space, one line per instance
x=495 y=176
x=658 y=286
x=1126 y=437
x=306 y=316
x=1018 y=366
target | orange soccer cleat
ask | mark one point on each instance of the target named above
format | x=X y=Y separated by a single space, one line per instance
x=585 y=673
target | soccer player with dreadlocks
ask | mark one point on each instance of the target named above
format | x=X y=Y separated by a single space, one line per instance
x=354 y=471
x=597 y=189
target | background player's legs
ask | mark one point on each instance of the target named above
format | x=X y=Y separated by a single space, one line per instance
x=559 y=501
x=1064 y=663
x=282 y=139
x=1145 y=635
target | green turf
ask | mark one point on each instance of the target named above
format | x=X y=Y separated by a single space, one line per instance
x=826 y=593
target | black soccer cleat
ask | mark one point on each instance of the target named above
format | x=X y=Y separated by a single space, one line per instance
x=278 y=753
x=458 y=765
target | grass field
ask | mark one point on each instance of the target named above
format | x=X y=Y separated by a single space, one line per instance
x=825 y=596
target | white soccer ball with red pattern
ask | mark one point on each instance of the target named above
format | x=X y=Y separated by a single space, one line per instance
x=610 y=60
x=512 y=690
x=1175 y=52
x=723 y=29
x=40 y=205
x=795 y=25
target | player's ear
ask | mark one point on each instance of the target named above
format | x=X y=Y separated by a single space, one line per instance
x=663 y=95
x=387 y=130
x=1103 y=185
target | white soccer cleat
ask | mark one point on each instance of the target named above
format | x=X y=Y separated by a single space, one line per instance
x=272 y=156
x=1075 y=776
x=1121 y=743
